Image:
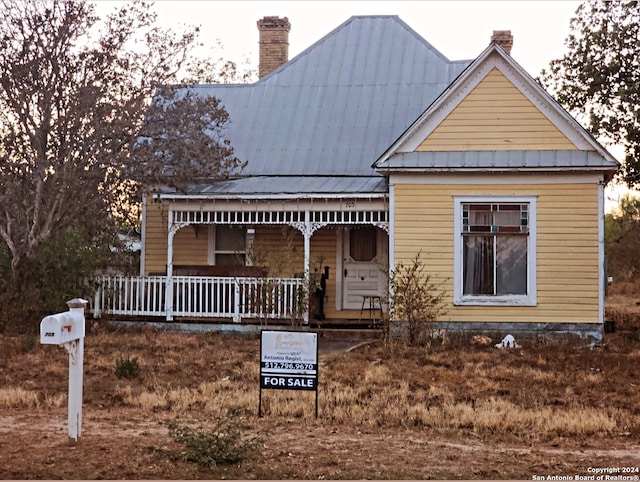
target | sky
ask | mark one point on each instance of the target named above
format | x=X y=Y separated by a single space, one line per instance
x=458 y=29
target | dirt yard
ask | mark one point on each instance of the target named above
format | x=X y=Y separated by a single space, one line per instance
x=455 y=409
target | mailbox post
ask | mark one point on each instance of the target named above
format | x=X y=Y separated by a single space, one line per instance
x=67 y=330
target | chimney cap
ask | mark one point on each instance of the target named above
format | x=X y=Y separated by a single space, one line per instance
x=503 y=38
x=274 y=22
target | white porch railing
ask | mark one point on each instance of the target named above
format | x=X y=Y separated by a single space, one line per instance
x=201 y=297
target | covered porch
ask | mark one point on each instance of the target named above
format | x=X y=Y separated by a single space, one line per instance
x=255 y=260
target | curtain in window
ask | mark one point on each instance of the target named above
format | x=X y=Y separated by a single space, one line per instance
x=362 y=244
x=478 y=265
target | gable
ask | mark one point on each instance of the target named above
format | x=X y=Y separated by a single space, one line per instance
x=495 y=116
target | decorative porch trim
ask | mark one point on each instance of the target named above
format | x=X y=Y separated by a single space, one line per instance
x=307 y=216
x=184 y=217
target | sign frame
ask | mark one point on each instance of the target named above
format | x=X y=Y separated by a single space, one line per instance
x=288 y=361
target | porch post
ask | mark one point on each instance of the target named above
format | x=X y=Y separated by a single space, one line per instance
x=168 y=290
x=307 y=229
x=307 y=232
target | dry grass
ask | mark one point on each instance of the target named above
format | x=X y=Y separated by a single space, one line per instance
x=533 y=394
x=386 y=411
x=20 y=398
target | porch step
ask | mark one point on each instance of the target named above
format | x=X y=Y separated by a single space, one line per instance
x=349 y=334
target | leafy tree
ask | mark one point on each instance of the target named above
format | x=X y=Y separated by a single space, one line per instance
x=59 y=271
x=75 y=100
x=622 y=239
x=598 y=79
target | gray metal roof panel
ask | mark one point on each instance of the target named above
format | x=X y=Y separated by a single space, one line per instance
x=551 y=159
x=333 y=109
x=294 y=185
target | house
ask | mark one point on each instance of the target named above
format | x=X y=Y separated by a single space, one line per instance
x=364 y=150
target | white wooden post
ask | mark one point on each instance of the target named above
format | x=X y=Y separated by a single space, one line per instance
x=68 y=330
x=307 y=229
x=76 y=367
x=168 y=292
x=236 y=301
x=97 y=299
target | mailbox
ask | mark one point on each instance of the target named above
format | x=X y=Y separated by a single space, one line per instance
x=62 y=328
x=67 y=330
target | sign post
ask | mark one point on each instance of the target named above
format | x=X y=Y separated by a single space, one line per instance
x=288 y=361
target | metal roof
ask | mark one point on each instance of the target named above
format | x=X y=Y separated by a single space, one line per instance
x=336 y=107
x=290 y=186
x=329 y=121
x=500 y=160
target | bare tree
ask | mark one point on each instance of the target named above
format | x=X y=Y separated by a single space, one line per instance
x=74 y=97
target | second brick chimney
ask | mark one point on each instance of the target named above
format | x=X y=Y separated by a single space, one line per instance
x=274 y=43
x=504 y=39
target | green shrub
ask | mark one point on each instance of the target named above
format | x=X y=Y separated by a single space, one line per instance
x=415 y=299
x=223 y=444
x=127 y=368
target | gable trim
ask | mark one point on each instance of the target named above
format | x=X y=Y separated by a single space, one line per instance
x=493 y=57
x=453 y=100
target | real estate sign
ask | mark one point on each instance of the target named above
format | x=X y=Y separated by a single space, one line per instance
x=288 y=361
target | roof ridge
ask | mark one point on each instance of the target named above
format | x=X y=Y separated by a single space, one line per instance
x=344 y=25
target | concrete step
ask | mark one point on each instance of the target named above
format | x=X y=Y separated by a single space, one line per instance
x=349 y=334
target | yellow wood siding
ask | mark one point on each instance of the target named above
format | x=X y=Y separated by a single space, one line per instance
x=495 y=116
x=155 y=248
x=567 y=247
x=190 y=245
x=281 y=250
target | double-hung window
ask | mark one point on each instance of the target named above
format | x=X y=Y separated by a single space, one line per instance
x=495 y=250
x=227 y=245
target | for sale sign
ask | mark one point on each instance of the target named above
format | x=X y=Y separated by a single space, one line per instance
x=288 y=361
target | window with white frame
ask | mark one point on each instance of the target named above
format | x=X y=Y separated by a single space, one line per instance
x=495 y=245
x=227 y=245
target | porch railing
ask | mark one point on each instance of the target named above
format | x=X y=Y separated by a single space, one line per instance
x=201 y=297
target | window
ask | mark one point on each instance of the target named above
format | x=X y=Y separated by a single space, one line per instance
x=495 y=251
x=362 y=243
x=227 y=245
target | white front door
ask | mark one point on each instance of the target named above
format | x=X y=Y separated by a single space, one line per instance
x=364 y=265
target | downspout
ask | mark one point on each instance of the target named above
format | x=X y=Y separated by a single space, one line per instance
x=392 y=244
x=601 y=257
x=143 y=235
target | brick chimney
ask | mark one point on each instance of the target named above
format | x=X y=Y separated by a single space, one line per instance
x=274 y=43
x=504 y=39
